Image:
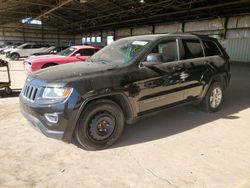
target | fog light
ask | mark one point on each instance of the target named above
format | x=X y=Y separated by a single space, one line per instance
x=52 y=118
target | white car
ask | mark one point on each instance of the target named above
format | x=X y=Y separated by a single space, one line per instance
x=7 y=49
x=26 y=50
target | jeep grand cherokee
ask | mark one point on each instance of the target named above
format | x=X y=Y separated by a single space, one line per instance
x=126 y=80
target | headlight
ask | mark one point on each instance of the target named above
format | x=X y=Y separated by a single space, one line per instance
x=56 y=93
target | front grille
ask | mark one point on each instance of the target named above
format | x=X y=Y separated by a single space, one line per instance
x=29 y=92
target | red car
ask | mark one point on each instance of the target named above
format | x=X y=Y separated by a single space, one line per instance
x=69 y=55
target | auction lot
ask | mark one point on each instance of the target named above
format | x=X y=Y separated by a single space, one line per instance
x=180 y=147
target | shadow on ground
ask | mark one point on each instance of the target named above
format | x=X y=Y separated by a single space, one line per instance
x=180 y=119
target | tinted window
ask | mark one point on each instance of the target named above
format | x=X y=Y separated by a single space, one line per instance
x=44 y=45
x=27 y=47
x=89 y=52
x=36 y=46
x=211 y=48
x=192 y=48
x=86 y=52
x=168 y=50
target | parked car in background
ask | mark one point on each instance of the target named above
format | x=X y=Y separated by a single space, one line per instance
x=8 y=49
x=125 y=81
x=26 y=50
x=69 y=55
x=2 y=48
x=50 y=50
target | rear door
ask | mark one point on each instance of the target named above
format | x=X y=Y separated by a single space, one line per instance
x=192 y=56
x=35 y=49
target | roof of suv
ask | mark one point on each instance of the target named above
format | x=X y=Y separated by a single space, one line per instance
x=158 y=36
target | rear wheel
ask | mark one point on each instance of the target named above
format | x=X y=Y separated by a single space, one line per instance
x=100 y=125
x=14 y=56
x=214 y=98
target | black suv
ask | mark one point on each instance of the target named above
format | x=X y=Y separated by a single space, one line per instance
x=126 y=80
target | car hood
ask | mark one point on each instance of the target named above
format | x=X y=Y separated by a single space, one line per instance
x=70 y=72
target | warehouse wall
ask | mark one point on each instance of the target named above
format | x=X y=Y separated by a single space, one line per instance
x=35 y=33
x=232 y=32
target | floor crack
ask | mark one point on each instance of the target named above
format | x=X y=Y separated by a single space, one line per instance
x=150 y=171
x=161 y=178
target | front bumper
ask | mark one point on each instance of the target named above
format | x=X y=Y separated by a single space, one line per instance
x=38 y=125
x=35 y=112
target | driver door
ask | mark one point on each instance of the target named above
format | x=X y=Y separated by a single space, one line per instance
x=162 y=84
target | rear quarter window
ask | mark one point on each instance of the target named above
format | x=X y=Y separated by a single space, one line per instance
x=211 y=48
x=192 y=48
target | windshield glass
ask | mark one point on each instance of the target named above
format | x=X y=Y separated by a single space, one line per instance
x=119 y=52
x=67 y=51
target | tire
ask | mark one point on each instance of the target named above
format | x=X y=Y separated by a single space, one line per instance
x=14 y=56
x=48 y=65
x=214 y=98
x=100 y=125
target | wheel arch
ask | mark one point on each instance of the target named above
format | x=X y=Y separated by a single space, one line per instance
x=220 y=77
x=50 y=63
x=118 y=98
x=15 y=53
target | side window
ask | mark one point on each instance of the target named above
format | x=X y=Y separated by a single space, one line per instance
x=85 y=52
x=168 y=50
x=88 y=52
x=27 y=46
x=211 y=48
x=35 y=46
x=79 y=52
x=192 y=49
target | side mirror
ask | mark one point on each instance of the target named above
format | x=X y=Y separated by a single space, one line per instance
x=152 y=59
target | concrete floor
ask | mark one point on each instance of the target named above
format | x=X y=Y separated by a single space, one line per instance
x=181 y=147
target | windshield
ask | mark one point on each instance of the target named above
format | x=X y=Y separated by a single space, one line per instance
x=119 y=52
x=67 y=51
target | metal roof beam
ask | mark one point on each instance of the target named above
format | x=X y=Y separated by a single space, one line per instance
x=52 y=9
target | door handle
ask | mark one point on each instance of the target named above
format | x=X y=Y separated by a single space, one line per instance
x=184 y=76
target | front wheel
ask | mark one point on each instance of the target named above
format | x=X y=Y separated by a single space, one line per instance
x=214 y=98
x=100 y=125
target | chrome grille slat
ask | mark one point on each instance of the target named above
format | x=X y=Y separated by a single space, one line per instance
x=26 y=89
x=32 y=96
x=29 y=92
